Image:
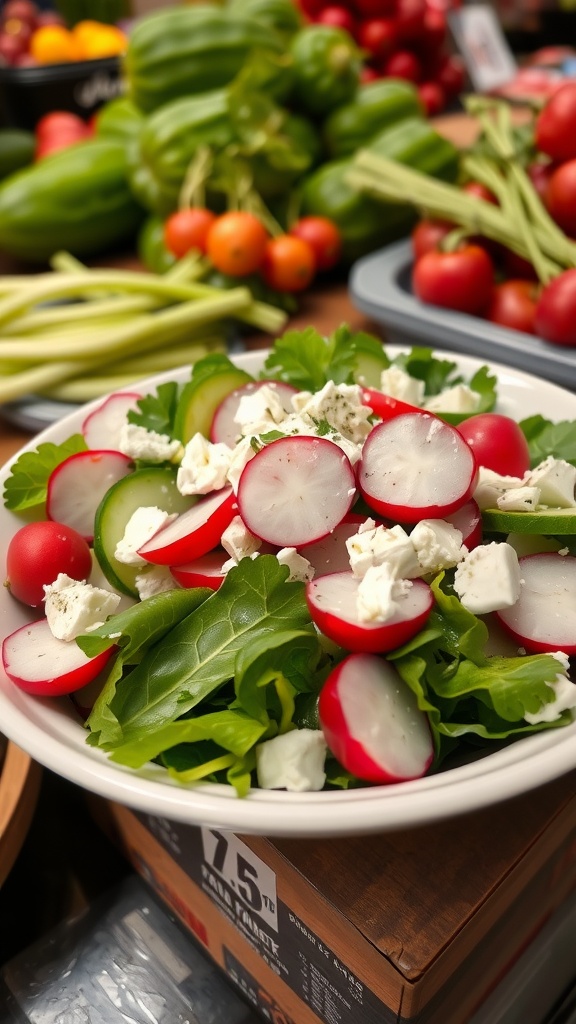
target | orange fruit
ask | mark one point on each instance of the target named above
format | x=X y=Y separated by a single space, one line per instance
x=53 y=44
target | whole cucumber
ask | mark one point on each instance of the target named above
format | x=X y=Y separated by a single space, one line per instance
x=16 y=150
x=77 y=199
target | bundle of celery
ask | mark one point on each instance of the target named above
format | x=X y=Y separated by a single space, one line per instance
x=75 y=333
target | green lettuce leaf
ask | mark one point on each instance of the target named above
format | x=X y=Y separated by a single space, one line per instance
x=26 y=487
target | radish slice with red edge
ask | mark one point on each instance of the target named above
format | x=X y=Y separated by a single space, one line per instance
x=296 y=490
x=101 y=427
x=331 y=554
x=468 y=519
x=224 y=428
x=42 y=665
x=372 y=723
x=194 y=532
x=205 y=571
x=385 y=406
x=416 y=466
x=543 y=620
x=331 y=601
x=76 y=487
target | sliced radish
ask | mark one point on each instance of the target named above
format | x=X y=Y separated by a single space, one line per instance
x=101 y=427
x=544 y=617
x=372 y=723
x=468 y=519
x=416 y=466
x=296 y=490
x=332 y=603
x=42 y=665
x=194 y=532
x=224 y=428
x=385 y=406
x=331 y=554
x=205 y=571
x=76 y=487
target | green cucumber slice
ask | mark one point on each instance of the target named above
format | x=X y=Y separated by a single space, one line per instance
x=200 y=399
x=553 y=522
x=152 y=485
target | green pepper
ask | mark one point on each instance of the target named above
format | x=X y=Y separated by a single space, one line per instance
x=326 y=66
x=151 y=247
x=119 y=119
x=281 y=15
x=375 y=107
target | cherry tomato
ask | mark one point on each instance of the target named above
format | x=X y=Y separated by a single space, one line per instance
x=498 y=443
x=375 y=8
x=236 y=243
x=188 y=229
x=513 y=305
x=38 y=552
x=403 y=64
x=461 y=280
x=59 y=122
x=339 y=17
x=378 y=36
x=427 y=235
x=433 y=98
x=451 y=75
x=539 y=174
x=323 y=237
x=560 y=196
x=53 y=144
x=409 y=19
x=555 y=128
x=555 y=319
x=289 y=264
x=479 y=189
x=434 y=29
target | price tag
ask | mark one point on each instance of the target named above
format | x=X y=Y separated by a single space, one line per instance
x=483 y=47
x=245 y=874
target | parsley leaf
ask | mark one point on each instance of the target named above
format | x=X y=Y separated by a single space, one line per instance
x=26 y=487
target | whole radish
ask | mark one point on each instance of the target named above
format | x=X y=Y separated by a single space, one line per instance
x=38 y=552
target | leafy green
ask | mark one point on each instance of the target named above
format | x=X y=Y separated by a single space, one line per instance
x=546 y=438
x=157 y=411
x=26 y=487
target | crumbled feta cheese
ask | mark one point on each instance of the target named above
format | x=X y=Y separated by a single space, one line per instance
x=293 y=761
x=380 y=544
x=459 y=398
x=74 y=607
x=438 y=545
x=379 y=592
x=351 y=450
x=231 y=563
x=259 y=412
x=519 y=499
x=488 y=578
x=556 y=479
x=204 y=466
x=300 y=568
x=238 y=541
x=564 y=700
x=156 y=579
x=491 y=486
x=394 y=381
x=143 y=524
x=341 y=406
x=147 y=445
x=240 y=456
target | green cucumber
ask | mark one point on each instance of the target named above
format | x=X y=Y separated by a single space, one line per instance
x=150 y=486
x=551 y=522
x=201 y=397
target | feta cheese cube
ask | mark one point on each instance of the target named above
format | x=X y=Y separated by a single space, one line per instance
x=373 y=547
x=147 y=445
x=259 y=412
x=394 y=381
x=143 y=524
x=300 y=568
x=438 y=545
x=341 y=406
x=293 y=761
x=488 y=578
x=564 y=700
x=556 y=479
x=519 y=499
x=204 y=466
x=238 y=541
x=156 y=579
x=491 y=486
x=74 y=607
x=378 y=594
x=459 y=398
x=240 y=456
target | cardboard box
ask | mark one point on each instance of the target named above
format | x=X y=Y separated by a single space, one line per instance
x=414 y=927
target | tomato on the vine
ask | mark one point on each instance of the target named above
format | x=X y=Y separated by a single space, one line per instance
x=289 y=264
x=555 y=319
x=236 y=243
x=323 y=237
x=513 y=305
x=427 y=235
x=461 y=279
x=560 y=196
x=498 y=442
x=188 y=229
x=555 y=128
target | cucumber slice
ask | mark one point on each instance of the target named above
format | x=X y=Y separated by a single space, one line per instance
x=152 y=485
x=200 y=399
x=553 y=522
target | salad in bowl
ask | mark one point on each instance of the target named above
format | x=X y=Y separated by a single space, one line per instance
x=330 y=570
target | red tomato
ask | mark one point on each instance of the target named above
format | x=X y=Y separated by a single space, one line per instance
x=478 y=189
x=498 y=443
x=539 y=174
x=188 y=229
x=434 y=29
x=427 y=235
x=555 y=128
x=560 y=196
x=38 y=552
x=451 y=75
x=59 y=121
x=433 y=98
x=461 y=280
x=53 y=144
x=289 y=264
x=513 y=305
x=339 y=17
x=555 y=319
x=516 y=266
x=236 y=243
x=323 y=237
x=378 y=36
x=410 y=19
x=403 y=64
x=375 y=8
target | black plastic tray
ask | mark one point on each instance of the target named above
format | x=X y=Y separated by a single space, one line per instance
x=379 y=286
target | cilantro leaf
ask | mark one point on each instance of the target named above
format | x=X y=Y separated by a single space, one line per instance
x=546 y=438
x=157 y=412
x=26 y=487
